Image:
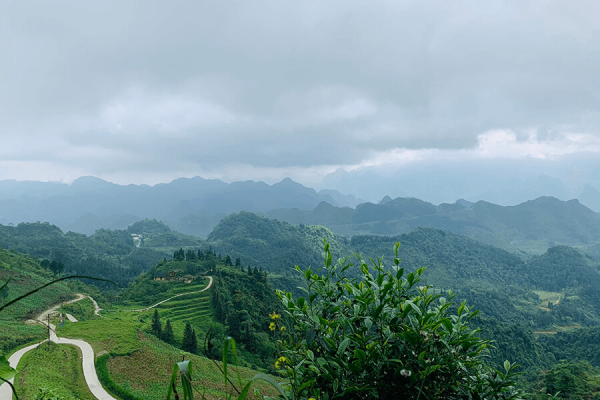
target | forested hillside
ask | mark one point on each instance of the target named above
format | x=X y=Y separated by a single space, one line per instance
x=238 y=303
x=537 y=309
x=518 y=296
x=531 y=226
x=109 y=254
x=23 y=274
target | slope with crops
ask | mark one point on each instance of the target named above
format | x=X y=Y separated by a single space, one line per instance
x=23 y=274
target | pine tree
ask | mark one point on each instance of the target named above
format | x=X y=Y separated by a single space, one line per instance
x=194 y=343
x=190 y=343
x=190 y=255
x=167 y=335
x=156 y=326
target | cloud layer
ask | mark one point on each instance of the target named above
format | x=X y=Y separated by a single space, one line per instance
x=149 y=91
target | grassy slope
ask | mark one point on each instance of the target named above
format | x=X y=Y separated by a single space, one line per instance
x=54 y=367
x=25 y=274
x=144 y=363
x=81 y=310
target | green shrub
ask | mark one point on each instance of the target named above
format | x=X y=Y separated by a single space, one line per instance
x=381 y=336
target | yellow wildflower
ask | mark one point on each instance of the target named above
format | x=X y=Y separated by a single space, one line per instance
x=272 y=326
x=281 y=360
x=275 y=316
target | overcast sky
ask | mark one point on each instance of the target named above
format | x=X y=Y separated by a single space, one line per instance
x=146 y=91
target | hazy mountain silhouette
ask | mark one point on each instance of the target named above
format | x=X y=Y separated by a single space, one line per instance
x=191 y=205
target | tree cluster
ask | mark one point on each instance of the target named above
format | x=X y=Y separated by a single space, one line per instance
x=189 y=341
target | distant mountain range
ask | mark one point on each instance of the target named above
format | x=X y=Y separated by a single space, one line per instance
x=189 y=205
x=195 y=206
x=500 y=182
x=532 y=226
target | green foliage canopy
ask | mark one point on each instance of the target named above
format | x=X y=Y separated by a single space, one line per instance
x=382 y=336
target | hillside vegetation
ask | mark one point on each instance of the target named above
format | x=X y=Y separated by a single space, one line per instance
x=536 y=309
x=532 y=226
x=517 y=296
x=25 y=274
x=108 y=254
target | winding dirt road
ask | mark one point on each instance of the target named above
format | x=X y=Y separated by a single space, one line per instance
x=89 y=370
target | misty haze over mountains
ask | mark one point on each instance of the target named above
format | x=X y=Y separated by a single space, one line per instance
x=195 y=205
x=191 y=205
x=504 y=182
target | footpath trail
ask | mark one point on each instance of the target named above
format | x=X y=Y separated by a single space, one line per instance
x=89 y=370
x=171 y=298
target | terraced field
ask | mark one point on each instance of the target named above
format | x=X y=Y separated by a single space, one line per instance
x=193 y=308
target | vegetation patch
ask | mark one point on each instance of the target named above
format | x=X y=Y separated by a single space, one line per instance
x=54 y=367
x=82 y=310
x=116 y=333
x=145 y=373
x=16 y=334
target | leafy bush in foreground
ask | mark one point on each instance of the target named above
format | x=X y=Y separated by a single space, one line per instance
x=381 y=336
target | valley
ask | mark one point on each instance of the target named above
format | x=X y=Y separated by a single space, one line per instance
x=530 y=304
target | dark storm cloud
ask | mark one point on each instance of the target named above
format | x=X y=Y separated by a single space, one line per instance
x=198 y=86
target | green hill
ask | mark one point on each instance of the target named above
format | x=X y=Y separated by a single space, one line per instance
x=118 y=255
x=504 y=285
x=26 y=274
x=238 y=303
x=532 y=226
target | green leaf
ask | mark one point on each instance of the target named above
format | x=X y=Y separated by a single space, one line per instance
x=461 y=308
x=225 y=356
x=6 y=371
x=271 y=382
x=343 y=347
x=244 y=392
x=447 y=324
x=399 y=273
x=355 y=366
x=415 y=307
x=328 y=260
x=378 y=310
x=360 y=354
x=421 y=359
x=173 y=381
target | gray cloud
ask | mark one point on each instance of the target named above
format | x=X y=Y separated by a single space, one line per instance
x=192 y=87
